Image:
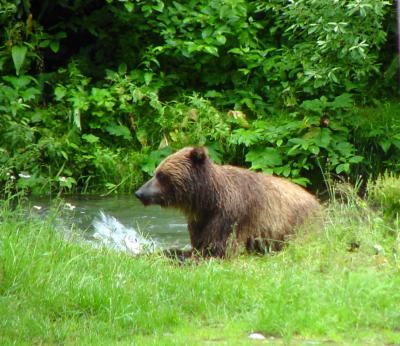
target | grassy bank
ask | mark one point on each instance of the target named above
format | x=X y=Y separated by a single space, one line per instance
x=337 y=285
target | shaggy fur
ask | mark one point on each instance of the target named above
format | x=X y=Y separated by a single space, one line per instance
x=224 y=202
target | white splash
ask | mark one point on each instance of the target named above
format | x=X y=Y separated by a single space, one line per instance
x=111 y=233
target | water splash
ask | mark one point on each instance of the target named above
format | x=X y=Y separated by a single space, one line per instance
x=109 y=232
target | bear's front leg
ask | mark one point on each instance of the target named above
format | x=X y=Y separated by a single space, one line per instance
x=210 y=237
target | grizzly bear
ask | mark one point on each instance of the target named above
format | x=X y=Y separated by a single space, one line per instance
x=227 y=205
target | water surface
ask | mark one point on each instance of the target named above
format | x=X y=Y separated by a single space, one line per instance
x=118 y=216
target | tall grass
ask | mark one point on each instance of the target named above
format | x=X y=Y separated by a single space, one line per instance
x=338 y=283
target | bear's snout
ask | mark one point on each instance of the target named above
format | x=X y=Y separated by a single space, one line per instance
x=143 y=196
x=139 y=194
x=149 y=193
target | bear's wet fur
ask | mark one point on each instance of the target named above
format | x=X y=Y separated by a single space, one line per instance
x=225 y=204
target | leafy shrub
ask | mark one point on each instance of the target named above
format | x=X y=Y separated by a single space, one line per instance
x=100 y=100
x=317 y=138
x=334 y=43
x=376 y=135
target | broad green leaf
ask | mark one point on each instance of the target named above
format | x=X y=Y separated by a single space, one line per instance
x=211 y=50
x=60 y=91
x=44 y=43
x=236 y=51
x=246 y=137
x=221 y=39
x=55 y=46
x=316 y=105
x=213 y=93
x=19 y=82
x=332 y=76
x=264 y=158
x=345 y=149
x=324 y=138
x=301 y=181
x=343 y=167
x=90 y=138
x=129 y=6
x=299 y=141
x=356 y=159
x=342 y=101
x=293 y=150
x=64 y=154
x=207 y=32
x=148 y=76
x=154 y=159
x=159 y=7
x=29 y=93
x=18 y=55
x=385 y=145
x=119 y=130
x=314 y=150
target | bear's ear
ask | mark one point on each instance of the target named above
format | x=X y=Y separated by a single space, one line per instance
x=198 y=155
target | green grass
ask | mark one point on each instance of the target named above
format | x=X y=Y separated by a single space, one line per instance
x=315 y=291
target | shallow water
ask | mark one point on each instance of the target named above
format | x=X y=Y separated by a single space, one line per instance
x=117 y=222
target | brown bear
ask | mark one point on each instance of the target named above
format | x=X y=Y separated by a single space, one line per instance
x=226 y=204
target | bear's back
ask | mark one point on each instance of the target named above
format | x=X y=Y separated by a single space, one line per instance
x=267 y=207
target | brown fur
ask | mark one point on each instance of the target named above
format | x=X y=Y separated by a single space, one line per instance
x=223 y=202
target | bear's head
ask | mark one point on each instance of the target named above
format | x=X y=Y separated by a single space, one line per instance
x=178 y=180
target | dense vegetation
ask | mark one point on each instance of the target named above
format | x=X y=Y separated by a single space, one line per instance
x=93 y=94
x=336 y=285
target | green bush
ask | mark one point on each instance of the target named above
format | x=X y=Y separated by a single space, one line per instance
x=376 y=135
x=334 y=44
x=269 y=84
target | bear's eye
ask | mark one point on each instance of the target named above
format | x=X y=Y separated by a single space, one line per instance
x=161 y=177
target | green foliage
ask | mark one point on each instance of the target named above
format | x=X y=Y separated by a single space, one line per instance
x=332 y=45
x=154 y=159
x=18 y=55
x=317 y=137
x=86 y=86
x=51 y=143
x=376 y=135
